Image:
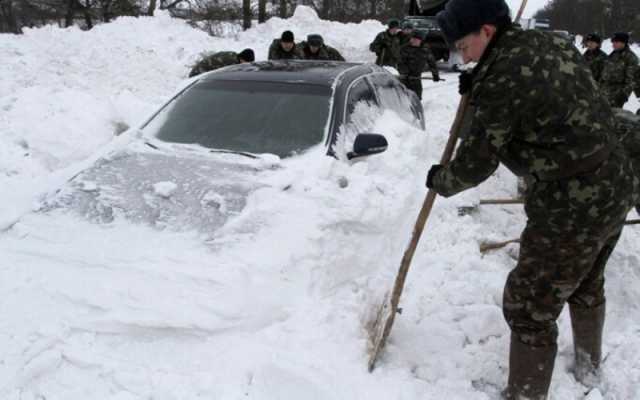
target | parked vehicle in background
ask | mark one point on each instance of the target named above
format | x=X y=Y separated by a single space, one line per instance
x=422 y=15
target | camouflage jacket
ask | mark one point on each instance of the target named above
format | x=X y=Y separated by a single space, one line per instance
x=414 y=59
x=324 y=53
x=387 y=48
x=277 y=53
x=595 y=59
x=618 y=76
x=212 y=61
x=543 y=118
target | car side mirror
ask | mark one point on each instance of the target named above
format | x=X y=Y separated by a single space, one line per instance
x=367 y=144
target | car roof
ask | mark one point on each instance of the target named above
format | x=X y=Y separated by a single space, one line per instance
x=322 y=73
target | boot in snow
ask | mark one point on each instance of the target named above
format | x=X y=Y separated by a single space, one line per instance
x=530 y=371
x=587 y=325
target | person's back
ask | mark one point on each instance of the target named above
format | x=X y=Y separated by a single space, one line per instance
x=323 y=52
x=213 y=61
x=558 y=114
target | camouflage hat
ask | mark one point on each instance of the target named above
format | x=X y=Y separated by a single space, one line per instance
x=593 y=37
x=620 y=37
x=393 y=23
x=462 y=17
x=315 y=40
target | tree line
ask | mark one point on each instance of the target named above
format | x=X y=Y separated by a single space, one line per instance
x=205 y=14
x=604 y=17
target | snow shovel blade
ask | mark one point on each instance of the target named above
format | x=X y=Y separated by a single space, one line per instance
x=379 y=330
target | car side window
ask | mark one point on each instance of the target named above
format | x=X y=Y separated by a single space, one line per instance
x=394 y=96
x=361 y=91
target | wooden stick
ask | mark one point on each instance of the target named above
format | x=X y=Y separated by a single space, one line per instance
x=486 y=246
x=501 y=201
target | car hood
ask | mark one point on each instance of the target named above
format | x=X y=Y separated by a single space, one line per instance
x=165 y=190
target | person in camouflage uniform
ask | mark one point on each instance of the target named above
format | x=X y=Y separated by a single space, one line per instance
x=543 y=118
x=315 y=49
x=285 y=48
x=387 y=45
x=407 y=33
x=618 y=76
x=594 y=56
x=221 y=59
x=413 y=58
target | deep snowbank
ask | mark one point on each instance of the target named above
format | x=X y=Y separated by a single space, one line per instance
x=273 y=306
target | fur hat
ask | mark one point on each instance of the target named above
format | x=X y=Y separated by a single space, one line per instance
x=593 y=37
x=620 y=37
x=462 y=17
x=393 y=23
x=315 y=40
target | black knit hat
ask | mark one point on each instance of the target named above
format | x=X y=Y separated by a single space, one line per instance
x=620 y=37
x=315 y=40
x=393 y=23
x=287 y=37
x=462 y=17
x=247 y=55
x=593 y=37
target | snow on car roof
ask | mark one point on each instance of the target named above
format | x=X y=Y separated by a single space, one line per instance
x=312 y=72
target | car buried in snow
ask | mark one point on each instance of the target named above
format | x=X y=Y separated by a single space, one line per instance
x=195 y=161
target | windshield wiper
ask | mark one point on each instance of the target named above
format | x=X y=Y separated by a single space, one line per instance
x=241 y=153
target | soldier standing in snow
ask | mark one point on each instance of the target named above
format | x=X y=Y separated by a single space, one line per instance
x=387 y=45
x=407 y=33
x=619 y=73
x=594 y=56
x=413 y=58
x=285 y=48
x=221 y=59
x=543 y=118
x=315 y=49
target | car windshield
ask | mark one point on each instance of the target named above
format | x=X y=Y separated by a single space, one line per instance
x=245 y=116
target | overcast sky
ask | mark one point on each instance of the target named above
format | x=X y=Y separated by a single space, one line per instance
x=532 y=7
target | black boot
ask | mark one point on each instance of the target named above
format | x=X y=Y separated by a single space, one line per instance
x=587 y=325
x=530 y=371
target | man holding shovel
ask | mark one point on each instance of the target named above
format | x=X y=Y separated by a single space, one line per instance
x=536 y=109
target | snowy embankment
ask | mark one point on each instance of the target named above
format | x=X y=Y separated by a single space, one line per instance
x=274 y=305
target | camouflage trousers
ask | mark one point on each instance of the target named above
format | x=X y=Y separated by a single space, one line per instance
x=413 y=84
x=555 y=268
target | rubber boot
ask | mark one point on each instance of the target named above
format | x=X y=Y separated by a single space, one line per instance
x=530 y=371
x=587 y=325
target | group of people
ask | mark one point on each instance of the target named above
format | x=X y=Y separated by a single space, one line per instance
x=536 y=108
x=406 y=50
x=618 y=74
x=284 y=48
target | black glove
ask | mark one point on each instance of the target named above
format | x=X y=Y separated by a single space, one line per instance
x=465 y=82
x=436 y=78
x=432 y=173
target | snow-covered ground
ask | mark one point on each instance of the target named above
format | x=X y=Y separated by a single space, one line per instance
x=274 y=307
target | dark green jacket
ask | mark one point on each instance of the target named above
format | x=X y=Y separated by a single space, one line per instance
x=595 y=59
x=544 y=119
x=276 y=52
x=324 y=53
x=212 y=61
x=387 y=48
x=618 y=76
x=413 y=60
